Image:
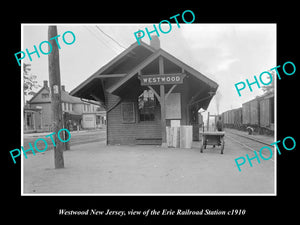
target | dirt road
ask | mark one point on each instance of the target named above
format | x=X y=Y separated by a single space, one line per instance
x=81 y=137
x=95 y=168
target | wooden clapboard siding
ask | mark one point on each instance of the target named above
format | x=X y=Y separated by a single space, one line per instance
x=139 y=132
x=119 y=132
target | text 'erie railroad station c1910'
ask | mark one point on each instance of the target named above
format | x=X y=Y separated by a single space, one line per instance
x=144 y=89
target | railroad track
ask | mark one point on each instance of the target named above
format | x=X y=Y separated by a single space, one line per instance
x=251 y=138
x=250 y=143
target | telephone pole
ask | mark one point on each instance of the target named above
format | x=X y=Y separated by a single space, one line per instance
x=55 y=90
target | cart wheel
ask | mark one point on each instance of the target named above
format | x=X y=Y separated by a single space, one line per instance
x=222 y=146
x=202 y=145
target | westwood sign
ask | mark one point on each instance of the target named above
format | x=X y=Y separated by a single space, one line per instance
x=160 y=79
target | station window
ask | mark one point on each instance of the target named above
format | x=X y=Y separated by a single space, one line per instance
x=128 y=112
x=146 y=106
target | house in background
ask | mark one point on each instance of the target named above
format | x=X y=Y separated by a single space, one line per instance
x=32 y=118
x=81 y=114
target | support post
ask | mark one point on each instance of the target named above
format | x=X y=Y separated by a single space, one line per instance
x=163 y=115
x=162 y=106
x=170 y=91
x=154 y=92
x=207 y=121
x=66 y=117
x=55 y=89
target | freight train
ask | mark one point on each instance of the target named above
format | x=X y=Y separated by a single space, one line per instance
x=257 y=113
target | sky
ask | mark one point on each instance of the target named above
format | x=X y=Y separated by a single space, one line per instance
x=225 y=53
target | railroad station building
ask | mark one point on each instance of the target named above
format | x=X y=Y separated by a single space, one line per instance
x=144 y=89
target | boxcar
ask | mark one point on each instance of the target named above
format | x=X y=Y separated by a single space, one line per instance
x=238 y=117
x=251 y=112
x=254 y=112
x=258 y=113
x=266 y=111
x=227 y=119
x=246 y=113
x=231 y=116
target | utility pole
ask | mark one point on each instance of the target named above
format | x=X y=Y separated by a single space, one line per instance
x=55 y=90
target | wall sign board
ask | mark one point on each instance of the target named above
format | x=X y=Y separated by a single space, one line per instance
x=159 y=79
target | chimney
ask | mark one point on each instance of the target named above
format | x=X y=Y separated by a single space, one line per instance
x=154 y=42
x=45 y=83
x=63 y=88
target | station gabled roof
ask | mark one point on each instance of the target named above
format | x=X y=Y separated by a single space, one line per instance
x=120 y=70
x=122 y=59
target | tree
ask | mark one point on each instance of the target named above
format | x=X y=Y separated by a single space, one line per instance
x=29 y=81
x=269 y=88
